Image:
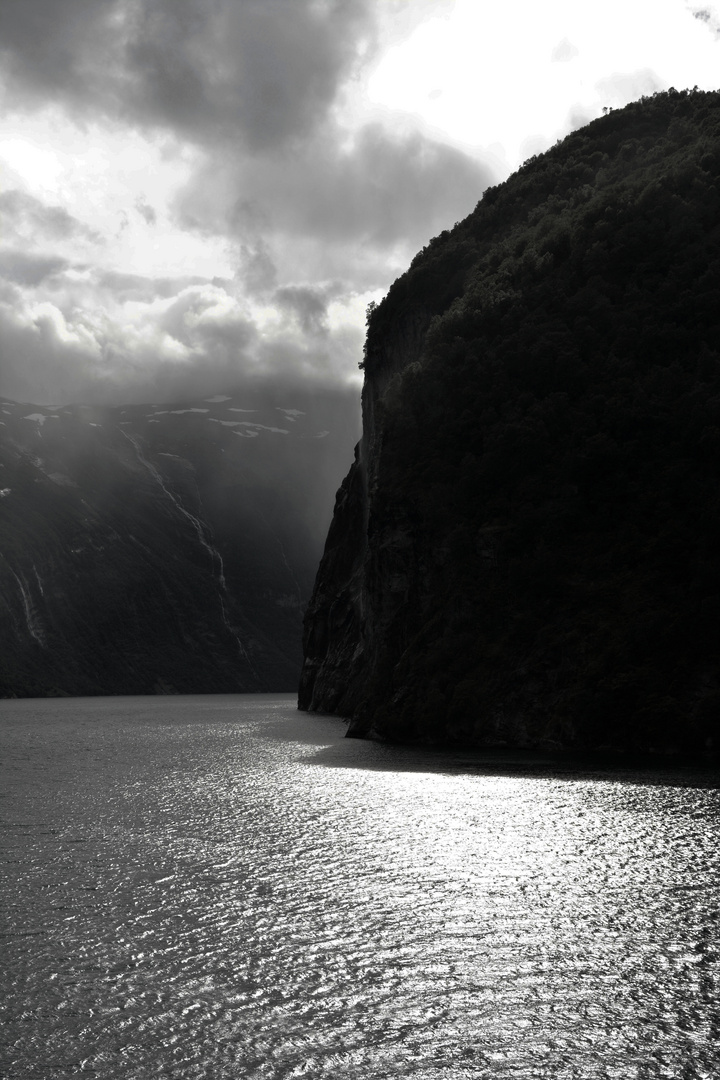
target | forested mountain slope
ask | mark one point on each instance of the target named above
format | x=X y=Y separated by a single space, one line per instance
x=527 y=548
x=163 y=548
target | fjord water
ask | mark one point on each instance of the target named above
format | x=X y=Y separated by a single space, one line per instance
x=222 y=887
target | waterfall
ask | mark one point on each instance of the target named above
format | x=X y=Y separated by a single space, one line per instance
x=204 y=536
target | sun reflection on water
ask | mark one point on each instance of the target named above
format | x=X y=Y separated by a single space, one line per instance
x=220 y=887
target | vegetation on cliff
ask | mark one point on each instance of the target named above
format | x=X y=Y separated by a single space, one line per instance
x=544 y=466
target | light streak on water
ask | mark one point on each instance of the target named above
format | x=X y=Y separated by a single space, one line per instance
x=221 y=887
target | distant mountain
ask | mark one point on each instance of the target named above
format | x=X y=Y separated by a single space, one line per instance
x=527 y=549
x=163 y=548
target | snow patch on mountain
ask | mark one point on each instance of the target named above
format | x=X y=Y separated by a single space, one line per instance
x=265 y=427
x=178 y=412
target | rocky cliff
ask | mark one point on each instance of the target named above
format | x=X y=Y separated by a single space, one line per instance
x=525 y=551
x=163 y=548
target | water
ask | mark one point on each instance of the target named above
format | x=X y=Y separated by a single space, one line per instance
x=221 y=887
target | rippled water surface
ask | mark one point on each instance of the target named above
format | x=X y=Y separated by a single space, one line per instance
x=221 y=887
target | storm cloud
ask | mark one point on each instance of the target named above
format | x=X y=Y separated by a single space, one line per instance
x=201 y=193
x=312 y=215
x=29 y=220
x=323 y=208
x=25 y=268
x=259 y=71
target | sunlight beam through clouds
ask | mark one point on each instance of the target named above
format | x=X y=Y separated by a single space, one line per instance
x=194 y=196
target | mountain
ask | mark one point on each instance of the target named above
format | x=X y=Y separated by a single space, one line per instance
x=526 y=551
x=163 y=548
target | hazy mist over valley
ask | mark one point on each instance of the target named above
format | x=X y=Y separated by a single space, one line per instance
x=164 y=548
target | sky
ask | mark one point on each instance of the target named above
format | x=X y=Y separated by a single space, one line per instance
x=202 y=195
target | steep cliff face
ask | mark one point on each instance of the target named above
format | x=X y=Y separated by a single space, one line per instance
x=357 y=591
x=525 y=550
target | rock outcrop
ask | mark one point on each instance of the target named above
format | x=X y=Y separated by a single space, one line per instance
x=525 y=551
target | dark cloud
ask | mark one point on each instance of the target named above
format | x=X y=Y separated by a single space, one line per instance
x=262 y=71
x=27 y=218
x=387 y=188
x=254 y=82
x=49 y=360
x=313 y=216
x=383 y=189
x=257 y=271
x=289 y=361
x=25 y=268
x=54 y=49
x=143 y=289
x=710 y=20
x=41 y=363
x=309 y=305
x=199 y=338
x=206 y=320
x=269 y=68
x=146 y=212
